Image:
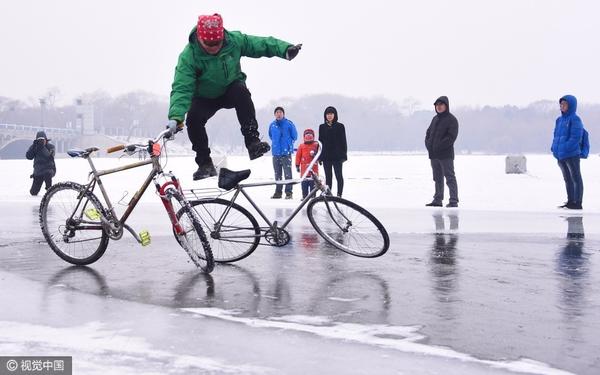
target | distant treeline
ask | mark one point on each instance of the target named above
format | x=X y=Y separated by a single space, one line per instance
x=372 y=124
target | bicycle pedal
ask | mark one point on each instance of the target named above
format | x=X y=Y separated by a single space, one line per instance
x=145 y=238
x=92 y=214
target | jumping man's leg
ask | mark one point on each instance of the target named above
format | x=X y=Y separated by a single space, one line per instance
x=201 y=110
x=238 y=96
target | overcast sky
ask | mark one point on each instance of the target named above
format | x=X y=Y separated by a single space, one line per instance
x=476 y=52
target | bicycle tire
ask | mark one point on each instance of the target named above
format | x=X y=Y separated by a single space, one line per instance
x=198 y=249
x=60 y=203
x=227 y=251
x=327 y=214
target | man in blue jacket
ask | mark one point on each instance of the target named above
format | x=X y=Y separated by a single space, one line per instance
x=283 y=134
x=566 y=148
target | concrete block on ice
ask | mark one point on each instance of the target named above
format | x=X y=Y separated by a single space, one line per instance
x=516 y=164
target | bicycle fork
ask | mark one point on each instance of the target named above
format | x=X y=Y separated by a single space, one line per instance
x=165 y=198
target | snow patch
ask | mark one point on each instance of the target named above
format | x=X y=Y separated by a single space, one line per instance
x=401 y=338
x=101 y=351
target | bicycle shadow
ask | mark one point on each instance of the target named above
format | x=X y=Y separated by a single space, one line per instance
x=237 y=289
x=358 y=297
x=74 y=278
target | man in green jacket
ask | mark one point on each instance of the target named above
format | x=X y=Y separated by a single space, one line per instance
x=209 y=77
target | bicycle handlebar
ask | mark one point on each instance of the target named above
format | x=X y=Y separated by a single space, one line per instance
x=115 y=148
x=168 y=134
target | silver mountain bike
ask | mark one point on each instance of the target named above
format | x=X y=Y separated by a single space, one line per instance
x=77 y=226
x=234 y=233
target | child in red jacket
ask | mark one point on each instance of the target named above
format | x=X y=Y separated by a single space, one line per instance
x=305 y=154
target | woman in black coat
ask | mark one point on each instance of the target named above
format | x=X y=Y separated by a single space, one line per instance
x=332 y=134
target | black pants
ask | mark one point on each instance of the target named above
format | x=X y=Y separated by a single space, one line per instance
x=236 y=96
x=307 y=187
x=444 y=168
x=337 y=168
x=37 y=183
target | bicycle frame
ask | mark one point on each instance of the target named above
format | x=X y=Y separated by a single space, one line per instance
x=308 y=176
x=156 y=171
x=240 y=189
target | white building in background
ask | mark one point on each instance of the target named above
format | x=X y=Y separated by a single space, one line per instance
x=85 y=118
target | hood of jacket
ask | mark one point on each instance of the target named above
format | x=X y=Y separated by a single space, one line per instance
x=335 y=114
x=41 y=134
x=443 y=99
x=572 y=101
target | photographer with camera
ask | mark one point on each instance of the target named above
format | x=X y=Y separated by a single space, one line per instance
x=42 y=154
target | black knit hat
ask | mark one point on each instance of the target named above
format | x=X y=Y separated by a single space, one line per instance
x=279 y=109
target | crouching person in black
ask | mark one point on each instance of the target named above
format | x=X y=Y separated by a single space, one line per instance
x=42 y=154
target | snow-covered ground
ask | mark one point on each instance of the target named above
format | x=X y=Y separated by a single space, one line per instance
x=382 y=183
x=375 y=180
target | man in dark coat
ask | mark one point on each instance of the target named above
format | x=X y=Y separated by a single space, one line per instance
x=42 y=154
x=439 y=140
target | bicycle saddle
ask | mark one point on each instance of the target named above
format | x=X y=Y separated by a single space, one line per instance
x=229 y=179
x=81 y=153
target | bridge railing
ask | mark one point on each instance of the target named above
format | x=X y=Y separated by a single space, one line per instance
x=25 y=128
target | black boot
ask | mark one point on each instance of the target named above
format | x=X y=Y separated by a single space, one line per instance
x=204 y=171
x=434 y=204
x=257 y=149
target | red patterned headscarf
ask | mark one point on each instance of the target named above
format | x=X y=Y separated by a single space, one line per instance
x=210 y=28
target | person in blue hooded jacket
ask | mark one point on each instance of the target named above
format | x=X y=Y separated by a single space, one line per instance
x=566 y=148
x=283 y=134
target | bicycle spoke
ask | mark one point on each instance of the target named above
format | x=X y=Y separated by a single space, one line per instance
x=232 y=237
x=74 y=239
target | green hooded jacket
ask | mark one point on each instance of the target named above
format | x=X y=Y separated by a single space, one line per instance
x=199 y=74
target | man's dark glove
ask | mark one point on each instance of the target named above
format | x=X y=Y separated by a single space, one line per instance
x=298 y=168
x=292 y=51
x=320 y=162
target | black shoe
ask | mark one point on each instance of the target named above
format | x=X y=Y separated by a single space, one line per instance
x=564 y=205
x=288 y=195
x=434 y=204
x=276 y=196
x=574 y=206
x=258 y=149
x=452 y=205
x=205 y=171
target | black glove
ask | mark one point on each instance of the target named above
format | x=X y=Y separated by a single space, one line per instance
x=320 y=162
x=292 y=51
x=298 y=168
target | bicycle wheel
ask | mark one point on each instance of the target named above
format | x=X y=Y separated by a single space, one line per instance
x=193 y=240
x=71 y=225
x=238 y=235
x=348 y=227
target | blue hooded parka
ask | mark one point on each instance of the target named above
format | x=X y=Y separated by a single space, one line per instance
x=568 y=132
x=283 y=134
